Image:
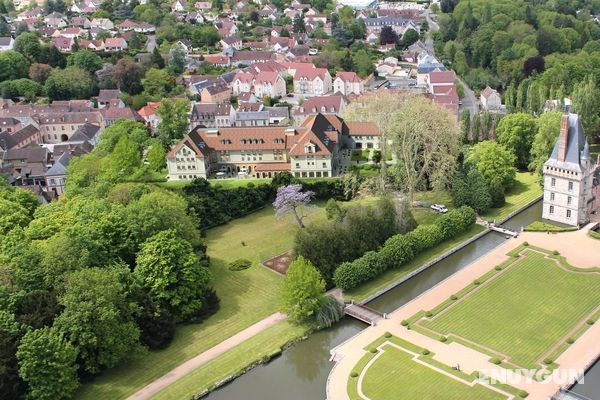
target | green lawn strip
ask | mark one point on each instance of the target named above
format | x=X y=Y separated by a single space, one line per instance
x=522 y=394
x=526 y=189
x=539 y=226
x=594 y=235
x=352 y=386
x=576 y=335
x=258 y=349
x=396 y=372
x=246 y=297
x=500 y=314
x=362 y=292
x=439 y=365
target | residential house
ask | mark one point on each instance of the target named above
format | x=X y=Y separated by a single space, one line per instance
x=231 y=42
x=490 y=99
x=569 y=176
x=102 y=23
x=115 y=44
x=246 y=58
x=347 y=83
x=326 y=105
x=251 y=118
x=217 y=60
x=56 y=177
x=6 y=43
x=111 y=115
x=215 y=94
x=107 y=96
x=148 y=113
x=312 y=81
x=64 y=45
x=80 y=22
x=25 y=166
x=278 y=115
x=212 y=115
x=86 y=133
x=439 y=79
x=55 y=20
x=267 y=83
x=10 y=124
x=179 y=6
x=27 y=136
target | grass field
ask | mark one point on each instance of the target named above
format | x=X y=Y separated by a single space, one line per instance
x=246 y=297
x=394 y=375
x=526 y=189
x=523 y=312
x=233 y=362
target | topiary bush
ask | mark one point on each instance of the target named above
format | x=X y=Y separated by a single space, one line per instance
x=590 y=322
x=498 y=268
x=429 y=314
x=523 y=394
x=425 y=352
x=555 y=252
x=405 y=322
x=387 y=335
x=443 y=339
x=240 y=264
x=496 y=360
x=373 y=350
x=548 y=361
x=476 y=282
x=570 y=340
x=353 y=374
x=525 y=243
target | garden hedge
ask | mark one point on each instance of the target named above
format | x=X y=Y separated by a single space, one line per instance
x=402 y=248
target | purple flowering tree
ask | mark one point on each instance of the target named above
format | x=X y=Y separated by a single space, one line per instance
x=291 y=199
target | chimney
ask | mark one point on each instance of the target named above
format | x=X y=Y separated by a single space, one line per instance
x=563 y=138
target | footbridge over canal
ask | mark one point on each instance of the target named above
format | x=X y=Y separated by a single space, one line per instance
x=364 y=313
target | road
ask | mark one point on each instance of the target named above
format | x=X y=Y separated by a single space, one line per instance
x=470 y=101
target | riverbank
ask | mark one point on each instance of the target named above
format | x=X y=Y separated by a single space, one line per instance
x=574 y=246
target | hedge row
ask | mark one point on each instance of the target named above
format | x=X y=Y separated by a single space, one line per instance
x=400 y=249
x=538 y=226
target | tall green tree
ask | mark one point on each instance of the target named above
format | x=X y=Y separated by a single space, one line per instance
x=157 y=157
x=516 y=132
x=170 y=270
x=302 y=291
x=173 y=123
x=13 y=65
x=586 y=103
x=47 y=362
x=548 y=127
x=86 y=60
x=494 y=161
x=98 y=317
x=28 y=44
x=158 y=83
x=69 y=83
x=125 y=156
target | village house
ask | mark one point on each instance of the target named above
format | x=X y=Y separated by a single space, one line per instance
x=29 y=135
x=569 y=191
x=490 y=99
x=10 y=125
x=325 y=105
x=115 y=44
x=6 y=43
x=312 y=81
x=148 y=113
x=231 y=42
x=59 y=127
x=102 y=23
x=212 y=115
x=25 y=166
x=348 y=83
x=215 y=94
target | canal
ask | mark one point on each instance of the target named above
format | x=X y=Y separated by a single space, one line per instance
x=301 y=372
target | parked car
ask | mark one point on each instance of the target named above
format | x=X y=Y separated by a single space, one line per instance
x=439 y=208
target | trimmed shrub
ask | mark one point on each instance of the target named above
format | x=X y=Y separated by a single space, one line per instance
x=590 y=322
x=425 y=352
x=454 y=297
x=525 y=243
x=443 y=339
x=373 y=350
x=350 y=274
x=240 y=264
x=387 y=335
x=548 y=361
x=396 y=251
x=523 y=394
x=405 y=322
x=538 y=226
x=570 y=340
x=353 y=374
x=496 y=361
x=476 y=282
x=555 y=252
x=429 y=314
x=498 y=268
x=425 y=237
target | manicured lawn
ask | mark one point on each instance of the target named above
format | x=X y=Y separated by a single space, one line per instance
x=523 y=312
x=525 y=190
x=392 y=275
x=246 y=297
x=394 y=375
x=425 y=215
x=232 y=362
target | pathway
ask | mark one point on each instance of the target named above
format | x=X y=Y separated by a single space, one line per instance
x=151 y=389
x=575 y=246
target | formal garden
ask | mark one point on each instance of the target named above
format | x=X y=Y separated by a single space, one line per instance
x=392 y=365
x=524 y=313
x=535 y=299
